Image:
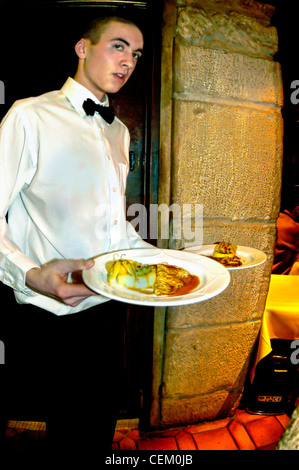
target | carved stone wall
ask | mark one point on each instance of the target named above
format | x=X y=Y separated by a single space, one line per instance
x=221 y=136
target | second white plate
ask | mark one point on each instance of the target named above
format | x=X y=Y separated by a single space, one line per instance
x=250 y=257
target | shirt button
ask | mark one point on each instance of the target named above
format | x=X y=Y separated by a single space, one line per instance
x=115 y=222
x=108 y=157
x=114 y=190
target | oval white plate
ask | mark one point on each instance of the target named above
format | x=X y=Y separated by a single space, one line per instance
x=214 y=278
x=250 y=257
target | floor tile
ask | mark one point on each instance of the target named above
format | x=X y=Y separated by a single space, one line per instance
x=134 y=434
x=283 y=419
x=241 y=437
x=218 y=439
x=127 y=444
x=170 y=432
x=270 y=447
x=118 y=436
x=244 y=417
x=165 y=443
x=265 y=432
x=185 y=441
x=207 y=426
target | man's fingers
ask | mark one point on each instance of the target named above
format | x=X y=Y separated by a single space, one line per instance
x=67 y=292
x=76 y=287
x=70 y=266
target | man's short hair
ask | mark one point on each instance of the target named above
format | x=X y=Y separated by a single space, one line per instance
x=99 y=25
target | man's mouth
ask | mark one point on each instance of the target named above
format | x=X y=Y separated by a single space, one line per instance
x=121 y=76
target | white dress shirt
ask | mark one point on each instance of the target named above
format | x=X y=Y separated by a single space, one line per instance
x=62 y=182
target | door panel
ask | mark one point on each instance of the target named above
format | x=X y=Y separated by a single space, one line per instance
x=129 y=105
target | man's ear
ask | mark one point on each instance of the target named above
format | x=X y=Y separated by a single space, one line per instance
x=81 y=48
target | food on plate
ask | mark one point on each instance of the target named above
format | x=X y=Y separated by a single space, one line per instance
x=158 y=279
x=225 y=250
x=225 y=253
x=131 y=274
x=170 y=279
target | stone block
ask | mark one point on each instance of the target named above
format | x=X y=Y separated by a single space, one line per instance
x=200 y=361
x=191 y=409
x=227 y=158
x=221 y=74
x=249 y=7
x=227 y=29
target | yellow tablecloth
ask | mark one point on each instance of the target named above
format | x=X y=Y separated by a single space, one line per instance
x=281 y=315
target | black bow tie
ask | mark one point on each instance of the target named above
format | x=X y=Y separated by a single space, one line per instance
x=107 y=112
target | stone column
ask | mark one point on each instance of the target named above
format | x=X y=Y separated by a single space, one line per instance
x=221 y=135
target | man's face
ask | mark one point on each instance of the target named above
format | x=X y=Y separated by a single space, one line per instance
x=108 y=64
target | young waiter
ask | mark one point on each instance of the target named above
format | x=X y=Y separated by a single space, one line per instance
x=63 y=170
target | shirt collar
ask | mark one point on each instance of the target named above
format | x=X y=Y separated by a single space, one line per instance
x=77 y=94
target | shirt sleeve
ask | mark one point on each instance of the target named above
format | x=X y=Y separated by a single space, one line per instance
x=15 y=169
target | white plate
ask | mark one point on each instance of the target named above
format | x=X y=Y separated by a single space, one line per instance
x=249 y=256
x=214 y=278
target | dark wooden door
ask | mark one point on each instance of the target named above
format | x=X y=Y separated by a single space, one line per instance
x=39 y=58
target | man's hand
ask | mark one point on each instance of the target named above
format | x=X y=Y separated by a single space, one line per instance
x=51 y=280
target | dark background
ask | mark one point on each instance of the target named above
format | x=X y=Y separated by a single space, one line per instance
x=286 y=19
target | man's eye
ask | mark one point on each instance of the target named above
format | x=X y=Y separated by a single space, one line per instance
x=119 y=47
x=136 y=56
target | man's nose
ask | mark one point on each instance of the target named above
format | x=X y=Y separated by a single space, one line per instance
x=128 y=61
